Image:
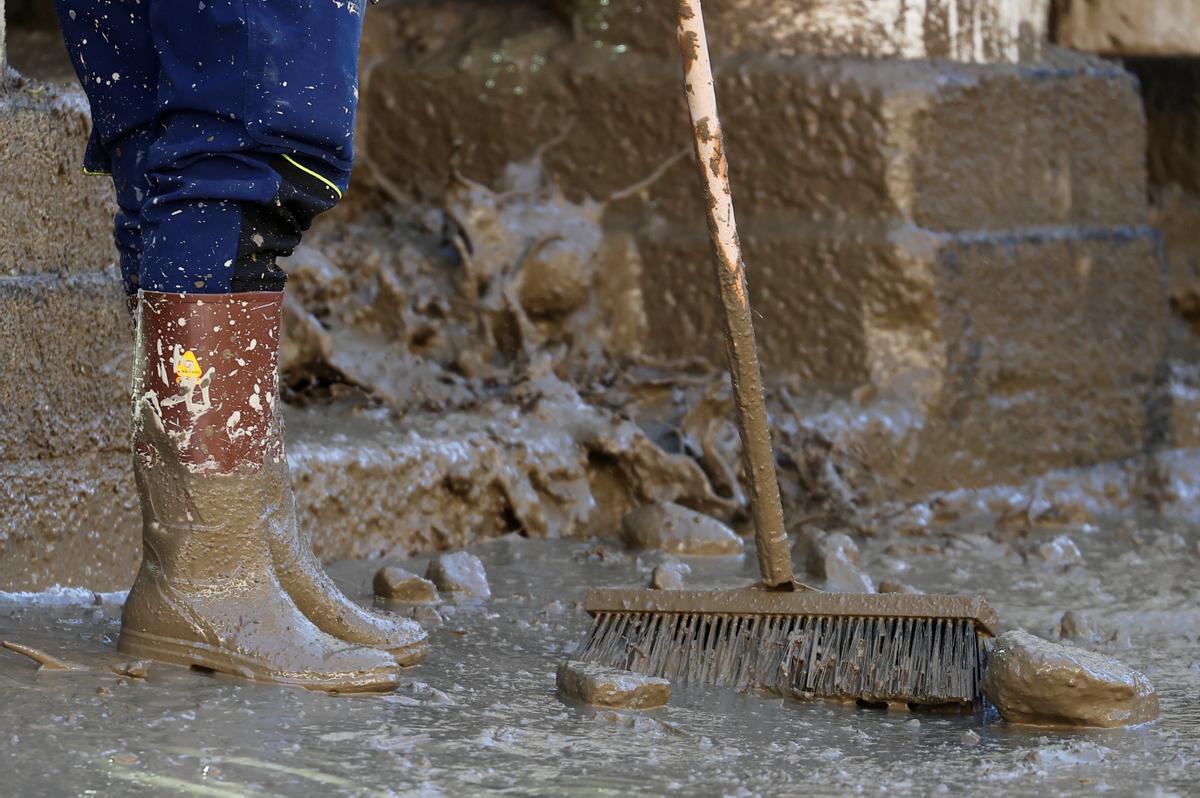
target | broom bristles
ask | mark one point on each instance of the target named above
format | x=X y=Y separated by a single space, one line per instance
x=870 y=659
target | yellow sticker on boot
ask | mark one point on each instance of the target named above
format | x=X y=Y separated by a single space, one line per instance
x=188 y=367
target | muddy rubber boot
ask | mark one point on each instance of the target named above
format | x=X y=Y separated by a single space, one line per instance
x=317 y=596
x=211 y=476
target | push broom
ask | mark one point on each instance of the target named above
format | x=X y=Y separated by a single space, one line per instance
x=780 y=635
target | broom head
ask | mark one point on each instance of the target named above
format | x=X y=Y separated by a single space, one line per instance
x=873 y=648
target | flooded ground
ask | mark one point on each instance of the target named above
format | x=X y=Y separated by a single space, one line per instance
x=480 y=715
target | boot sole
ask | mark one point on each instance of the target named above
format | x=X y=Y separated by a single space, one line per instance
x=410 y=655
x=191 y=654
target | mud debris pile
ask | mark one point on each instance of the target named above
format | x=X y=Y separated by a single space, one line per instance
x=450 y=305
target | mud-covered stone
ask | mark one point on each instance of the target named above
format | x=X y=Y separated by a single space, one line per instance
x=835 y=559
x=1129 y=27
x=459 y=574
x=1080 y=627
x=134 y=669
x=607 y=687
x=396 y=584
x=1059 y=552
x=1037 y=682
x=668 y=576
x=670 y=527
x=555 y=279
x=894 y=586
x=1003 y=381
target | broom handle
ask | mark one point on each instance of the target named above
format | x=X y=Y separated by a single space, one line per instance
x=774 y=557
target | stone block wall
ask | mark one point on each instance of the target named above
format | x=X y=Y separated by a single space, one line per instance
x=981 y=31
x=970 y=236
x=67 y=511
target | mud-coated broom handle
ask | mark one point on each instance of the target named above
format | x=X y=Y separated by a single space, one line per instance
x=774 y=557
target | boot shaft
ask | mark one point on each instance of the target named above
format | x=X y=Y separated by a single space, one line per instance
x=206 y=376
x=208 y=444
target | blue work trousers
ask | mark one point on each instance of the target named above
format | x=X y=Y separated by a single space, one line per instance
x=227 y=126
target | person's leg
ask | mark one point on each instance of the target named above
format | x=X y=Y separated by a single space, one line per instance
x=256 y=102
x=225 y=201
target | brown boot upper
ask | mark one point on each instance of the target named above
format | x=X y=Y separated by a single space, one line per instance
x=207 y=368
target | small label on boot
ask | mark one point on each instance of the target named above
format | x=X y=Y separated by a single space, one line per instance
x=188 y=367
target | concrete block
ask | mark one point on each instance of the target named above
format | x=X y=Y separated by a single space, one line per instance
x=1129 y=27
x=980 y=31
x=65 y=361
x=1021 y=352
x=71 y=521
x=55 y=218
x=945 y=146
x=1052 y=346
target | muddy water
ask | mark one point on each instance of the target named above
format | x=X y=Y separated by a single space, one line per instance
x=480 y=714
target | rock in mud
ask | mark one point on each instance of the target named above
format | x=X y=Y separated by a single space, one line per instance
x=1037 y=682
x=397 y=584
x=834 y=559
x=1079 y=626
x=607 y=687
x=459 y=574
x=427 y=616
x=555 y=279
x=892 y=586
x=135 y=669
x=1061 y=552
x=670 y=527
x=1087 y=629
x=668 y=576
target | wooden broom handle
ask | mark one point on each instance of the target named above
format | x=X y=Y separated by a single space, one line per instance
x=774 y=555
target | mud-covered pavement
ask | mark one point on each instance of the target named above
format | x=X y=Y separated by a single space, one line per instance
x=480 y=715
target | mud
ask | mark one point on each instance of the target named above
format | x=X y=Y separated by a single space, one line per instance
x=481 y=714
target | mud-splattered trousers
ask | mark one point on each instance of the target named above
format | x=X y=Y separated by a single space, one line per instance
x=227 y=126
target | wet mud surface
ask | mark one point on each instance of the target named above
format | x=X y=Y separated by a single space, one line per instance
x=480 y=715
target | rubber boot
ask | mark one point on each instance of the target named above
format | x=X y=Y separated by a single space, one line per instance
x=317 y=596
x=212 y=480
